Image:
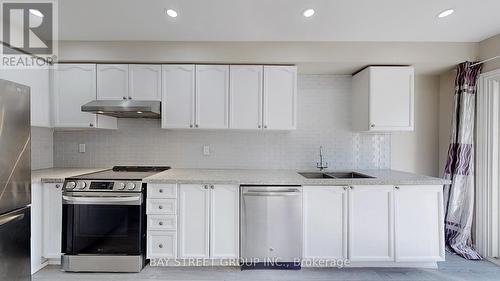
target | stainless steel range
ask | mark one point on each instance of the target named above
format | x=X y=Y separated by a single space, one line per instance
x=104 y=220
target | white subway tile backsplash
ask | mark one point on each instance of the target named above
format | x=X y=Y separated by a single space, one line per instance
x=324 y=118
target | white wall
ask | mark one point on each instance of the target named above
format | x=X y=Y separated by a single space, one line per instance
x=417 y=151
x=490 y=48
x=42 y=148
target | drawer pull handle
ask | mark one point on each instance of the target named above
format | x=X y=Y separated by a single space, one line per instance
x=160 y=207
x=161 y=190
x=160 y=246
x=160 y=223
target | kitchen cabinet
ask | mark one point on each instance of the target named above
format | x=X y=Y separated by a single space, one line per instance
x=112 y=82
x=52 y=221
x=224 y=221
x=194 y=217
x=279 y=99
x=74 y=86
x=419 y=229
x=325 y=222
x=145 y=82
x=212 y=96
x=209 y=221
x=39 y=82
x=371 y=223
x=246 y=96
x=178 y=96
x=161 y=210
x=383 y=99
x=37 y=259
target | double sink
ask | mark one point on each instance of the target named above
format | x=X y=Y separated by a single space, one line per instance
x=335 y=175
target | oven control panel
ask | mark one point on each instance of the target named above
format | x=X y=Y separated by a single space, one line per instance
x=102 y=185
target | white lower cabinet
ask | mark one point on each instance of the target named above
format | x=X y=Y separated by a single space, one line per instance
x=37 y=259
x=161 y=244
x=371 y=223
x=325 y=222
x=208 y=221
x=419 y=229
x=52 y=220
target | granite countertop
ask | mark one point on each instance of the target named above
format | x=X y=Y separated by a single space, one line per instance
x=286 y=177
x=57 y=175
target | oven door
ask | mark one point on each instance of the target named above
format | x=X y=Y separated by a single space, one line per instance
x=102 y=223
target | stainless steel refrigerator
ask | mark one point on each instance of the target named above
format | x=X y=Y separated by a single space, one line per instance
x=15 y=181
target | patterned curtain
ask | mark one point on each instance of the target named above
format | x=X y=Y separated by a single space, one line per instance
x=459 y=196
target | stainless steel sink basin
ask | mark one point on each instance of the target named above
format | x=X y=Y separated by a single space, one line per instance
x=334 y=175
x=316 y=175
x=349 y=175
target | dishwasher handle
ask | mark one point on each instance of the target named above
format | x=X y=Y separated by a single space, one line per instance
x=288 y=192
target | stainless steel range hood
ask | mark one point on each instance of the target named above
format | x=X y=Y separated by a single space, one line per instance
x=124 y=108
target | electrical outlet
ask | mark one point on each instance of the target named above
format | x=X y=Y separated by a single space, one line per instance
x=81 y=148
x=206 y=150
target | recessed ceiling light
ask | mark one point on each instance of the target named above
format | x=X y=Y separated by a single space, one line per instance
x=446 y=13
x=36 y=13
x=139 y=112
x=100 y=112
x=171 y=13
x=308 y=13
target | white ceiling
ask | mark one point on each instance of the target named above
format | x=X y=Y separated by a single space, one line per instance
x=278 y=20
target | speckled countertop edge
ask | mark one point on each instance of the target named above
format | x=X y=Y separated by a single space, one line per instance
x=57 y=175
x=287 y=177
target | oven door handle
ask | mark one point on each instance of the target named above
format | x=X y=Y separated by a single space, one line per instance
x=87 y=200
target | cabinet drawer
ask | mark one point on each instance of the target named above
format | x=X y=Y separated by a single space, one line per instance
x=161 y=206
x=162 y=222
x=162 y=191
x=161 y=244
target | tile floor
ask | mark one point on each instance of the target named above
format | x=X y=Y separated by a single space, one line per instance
x=455 y=268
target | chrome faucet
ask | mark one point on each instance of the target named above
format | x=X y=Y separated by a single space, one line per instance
x=320 y=165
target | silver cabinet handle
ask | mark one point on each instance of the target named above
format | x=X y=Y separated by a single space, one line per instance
x=205 y=186
x=160 y=223
x=345 y=187
x=160 y=246
x=265 y=126
x=372 y=125
x=11 y=218
x=58 y=185
x=259 y=126
x=91 y=125
x=212 y=186
x=196 y=125
x=160 y=190
x=129 y=98
x=396 y=187
x=190 y=125
x=160 y=207
x=124 y=98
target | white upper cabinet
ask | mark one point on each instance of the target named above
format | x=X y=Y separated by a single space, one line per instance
x=371 y=223
x=325 y=222
x=112 y=82
x=419 y=225
x=178 y=93
x=246 y=96
x=39 y=82
x=212 y=96
x=383 y=99
x=145 y=82
x=74 y=86
x=280 y=94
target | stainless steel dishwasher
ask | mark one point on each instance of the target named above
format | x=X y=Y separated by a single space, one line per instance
x=271 y=225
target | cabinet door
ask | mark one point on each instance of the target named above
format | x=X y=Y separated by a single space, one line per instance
x=112 y=81
x=194 y=200
x=161 y=244
x=36 y=227
x=39 y=82
x=212 y=96
x=280 y=87
x=177 y=106
x=145 y=82
x=419 y=229
x=52 y=220
x=246 y=97
x=391 y=98
x=74 y=86
x=325 y=222
x=371 y=227
x=224 y=221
